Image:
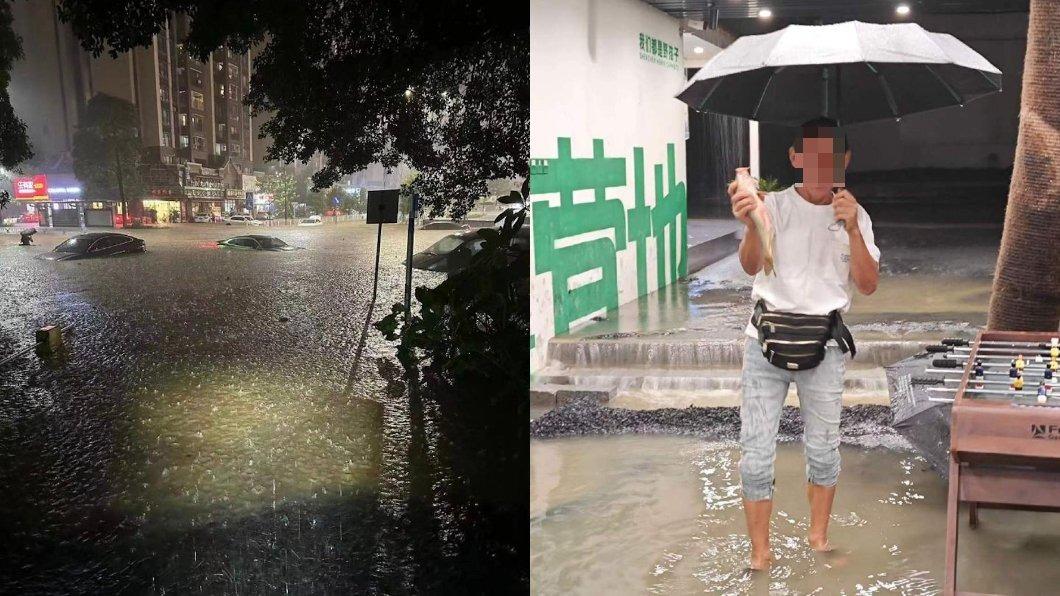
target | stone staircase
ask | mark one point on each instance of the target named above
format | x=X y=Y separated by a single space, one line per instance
x=683 y=369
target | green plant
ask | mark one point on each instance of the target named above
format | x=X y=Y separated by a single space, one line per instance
x=769 y=185
x=106 y=151
x=475 y=323
x=468 y=342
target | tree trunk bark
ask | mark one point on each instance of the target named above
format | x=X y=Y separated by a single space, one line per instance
x=1026 y=294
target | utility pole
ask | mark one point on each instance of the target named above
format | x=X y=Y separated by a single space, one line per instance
x=413 y=201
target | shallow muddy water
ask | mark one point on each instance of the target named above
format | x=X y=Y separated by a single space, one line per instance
x=636 y=514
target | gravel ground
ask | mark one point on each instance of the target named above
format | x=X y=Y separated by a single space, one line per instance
x=861 y=425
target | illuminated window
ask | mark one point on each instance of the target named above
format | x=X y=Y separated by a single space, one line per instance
x=197 y=101
x=184 y=141
x=183 y=119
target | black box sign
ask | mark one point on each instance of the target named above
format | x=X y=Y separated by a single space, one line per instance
x=382 y=206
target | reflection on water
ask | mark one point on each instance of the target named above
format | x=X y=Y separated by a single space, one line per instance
x=658 y=514
x=198 y=436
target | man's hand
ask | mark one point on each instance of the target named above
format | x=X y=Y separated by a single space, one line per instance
x=846 y=209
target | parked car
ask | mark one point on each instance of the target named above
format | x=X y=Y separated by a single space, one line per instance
x=202 y=218
x=453 y=252
x=256 y=242
x=96 y=244
x=242 y=219
x=445 y=224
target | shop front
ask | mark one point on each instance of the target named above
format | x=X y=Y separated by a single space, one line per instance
x=55 y=200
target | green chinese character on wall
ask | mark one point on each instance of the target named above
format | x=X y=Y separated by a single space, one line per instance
x=552 y=224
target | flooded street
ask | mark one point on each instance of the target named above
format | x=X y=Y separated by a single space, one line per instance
x=196 y=435
x=661 y=514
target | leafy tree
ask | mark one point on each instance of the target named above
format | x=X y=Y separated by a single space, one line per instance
x=281 y=184
x=106 y=152
x=15 y=147
x=442 y=85
x=471 y=337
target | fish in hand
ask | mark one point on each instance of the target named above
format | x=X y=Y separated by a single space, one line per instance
x=745 y=184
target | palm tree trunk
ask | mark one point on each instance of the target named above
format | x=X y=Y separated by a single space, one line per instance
x=1026 y=294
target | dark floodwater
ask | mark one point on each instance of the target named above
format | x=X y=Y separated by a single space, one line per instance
x=196 y=435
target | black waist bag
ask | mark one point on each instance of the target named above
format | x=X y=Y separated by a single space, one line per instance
x=797 y=342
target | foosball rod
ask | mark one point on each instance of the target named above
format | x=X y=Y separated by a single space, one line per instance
x=960 y=372
x=1054 y=341
x=1010 y=392
x=943 y=363
x=992 y=352
x=984 y=382
x=1035 y=359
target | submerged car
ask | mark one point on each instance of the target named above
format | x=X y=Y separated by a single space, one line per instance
x=256 y=242
x=202 y=218
x=242 y=219
x=312 y=220
x=445 y=224
x=454 y=252
x=96 y=244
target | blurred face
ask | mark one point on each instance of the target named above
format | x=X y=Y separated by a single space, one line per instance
x=823 y=159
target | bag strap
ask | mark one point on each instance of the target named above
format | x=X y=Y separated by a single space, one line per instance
x=841 y=334
x=756 y=321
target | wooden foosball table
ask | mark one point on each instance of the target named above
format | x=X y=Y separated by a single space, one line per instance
x=1005 y=428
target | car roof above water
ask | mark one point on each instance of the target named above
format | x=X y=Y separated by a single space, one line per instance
x=97 y=235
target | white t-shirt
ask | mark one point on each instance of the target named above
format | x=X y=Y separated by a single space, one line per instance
x=811 y=263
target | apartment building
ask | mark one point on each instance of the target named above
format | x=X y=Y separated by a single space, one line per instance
x=198 y=146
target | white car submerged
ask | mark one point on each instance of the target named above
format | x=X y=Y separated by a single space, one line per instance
x=242 y=219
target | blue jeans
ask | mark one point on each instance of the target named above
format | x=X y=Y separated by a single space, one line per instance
x=765 y=386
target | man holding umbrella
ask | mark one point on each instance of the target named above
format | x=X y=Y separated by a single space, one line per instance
x=824 y=250
x=822 y=76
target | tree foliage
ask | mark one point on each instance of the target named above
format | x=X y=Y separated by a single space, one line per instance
x=15 y=147
x=442 y=85
x=470 y=342
x=282 y=185
x=476 y=323
x=106 y=151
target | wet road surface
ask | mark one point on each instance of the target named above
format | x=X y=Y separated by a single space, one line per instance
x=195 y=435
x=661 y=514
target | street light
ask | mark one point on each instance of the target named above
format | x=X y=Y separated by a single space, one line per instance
x=902 y=9
x=765 y=13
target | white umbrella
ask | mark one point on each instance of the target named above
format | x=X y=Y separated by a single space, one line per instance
x=851 y=72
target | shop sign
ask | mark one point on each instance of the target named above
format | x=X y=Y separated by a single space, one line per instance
x=31 y=188
x=658 y=52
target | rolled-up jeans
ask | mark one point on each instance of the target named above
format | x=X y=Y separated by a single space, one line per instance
x=765 y=386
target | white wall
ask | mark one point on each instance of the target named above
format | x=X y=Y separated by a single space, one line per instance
x=591 y=83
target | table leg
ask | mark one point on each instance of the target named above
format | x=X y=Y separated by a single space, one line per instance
x=952 y=516
x=973 y=515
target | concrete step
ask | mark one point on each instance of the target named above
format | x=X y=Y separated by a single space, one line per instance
x=667 y=353
x=861 y=381
x=545 y=394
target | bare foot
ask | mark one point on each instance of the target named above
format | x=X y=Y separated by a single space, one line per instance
x=761 y=562
x=821 y=545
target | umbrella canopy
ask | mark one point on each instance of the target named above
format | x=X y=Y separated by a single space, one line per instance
x=926 y=424
x=850 y=72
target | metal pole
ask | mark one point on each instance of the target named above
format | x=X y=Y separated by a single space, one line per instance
x=408 y=256
x=375 y=278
